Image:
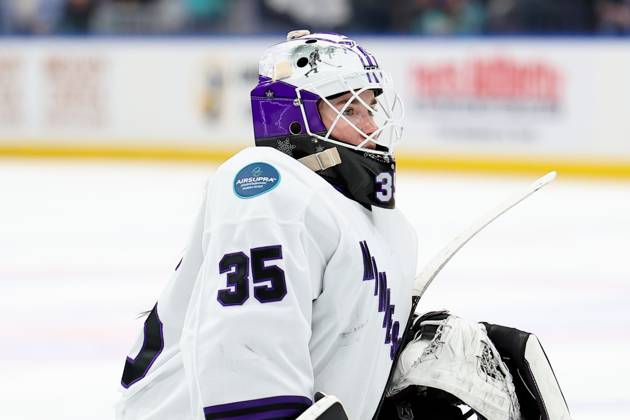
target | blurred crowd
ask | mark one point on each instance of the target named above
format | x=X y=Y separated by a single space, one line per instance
x=430 y=17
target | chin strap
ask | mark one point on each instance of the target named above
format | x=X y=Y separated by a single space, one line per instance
x=322 y=160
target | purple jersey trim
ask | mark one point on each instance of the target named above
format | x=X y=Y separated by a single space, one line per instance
x=288 y=414
x=286 y=406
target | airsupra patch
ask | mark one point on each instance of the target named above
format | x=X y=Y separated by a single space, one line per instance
x=255 y=179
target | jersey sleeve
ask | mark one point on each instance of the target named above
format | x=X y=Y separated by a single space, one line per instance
x=249 y=324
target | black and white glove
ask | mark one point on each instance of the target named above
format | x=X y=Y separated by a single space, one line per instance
x=450 y=370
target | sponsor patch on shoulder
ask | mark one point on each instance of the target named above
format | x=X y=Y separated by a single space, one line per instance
x=255 y=179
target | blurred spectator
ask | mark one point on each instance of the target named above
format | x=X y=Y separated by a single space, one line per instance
x=320 y=15
x=541 y=16
x=204 y=15
x=432 y=17
x=30 y=17
x=372 y=16
x=403 y=14
x=614 y=16
x=440 y=17
x=244 y=16
x=139 y=16
x=77 y=16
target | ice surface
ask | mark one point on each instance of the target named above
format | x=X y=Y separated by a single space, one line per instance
x=86 y=246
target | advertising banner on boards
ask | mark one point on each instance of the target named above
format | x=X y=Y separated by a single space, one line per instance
x=525 y=97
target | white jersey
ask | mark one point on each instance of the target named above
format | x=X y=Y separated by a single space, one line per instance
x=287 y=288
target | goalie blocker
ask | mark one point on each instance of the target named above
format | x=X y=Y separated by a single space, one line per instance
x=537 y=388
x=501 y=373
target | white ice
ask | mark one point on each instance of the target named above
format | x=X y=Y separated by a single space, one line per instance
x=86 y=246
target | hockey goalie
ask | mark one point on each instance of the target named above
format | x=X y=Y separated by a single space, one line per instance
x=451 y=369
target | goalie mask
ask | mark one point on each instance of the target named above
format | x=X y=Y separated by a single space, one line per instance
x=322 y=99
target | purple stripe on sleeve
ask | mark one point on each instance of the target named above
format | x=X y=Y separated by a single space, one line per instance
x=288 y=405
x=267 y=415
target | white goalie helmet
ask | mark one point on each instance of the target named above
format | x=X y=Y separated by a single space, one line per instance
x=308 y=69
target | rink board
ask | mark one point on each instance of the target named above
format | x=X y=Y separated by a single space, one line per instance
x=498 y=104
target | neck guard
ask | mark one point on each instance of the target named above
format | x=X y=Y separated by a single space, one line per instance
x=367 y=178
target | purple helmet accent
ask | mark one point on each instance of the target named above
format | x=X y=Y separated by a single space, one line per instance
x=275 y=108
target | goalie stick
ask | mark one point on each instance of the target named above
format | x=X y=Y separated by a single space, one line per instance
x=431 y=270
x=424 y=279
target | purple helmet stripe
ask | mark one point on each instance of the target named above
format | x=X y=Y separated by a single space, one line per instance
x=365 y=53
x=375 y=62
x=364 y=62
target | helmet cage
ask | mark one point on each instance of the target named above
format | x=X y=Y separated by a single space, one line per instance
x=387 y=116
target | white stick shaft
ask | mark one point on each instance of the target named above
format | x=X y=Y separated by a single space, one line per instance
x=424 y=279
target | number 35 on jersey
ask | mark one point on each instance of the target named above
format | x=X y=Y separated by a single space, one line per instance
x=238 y=267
